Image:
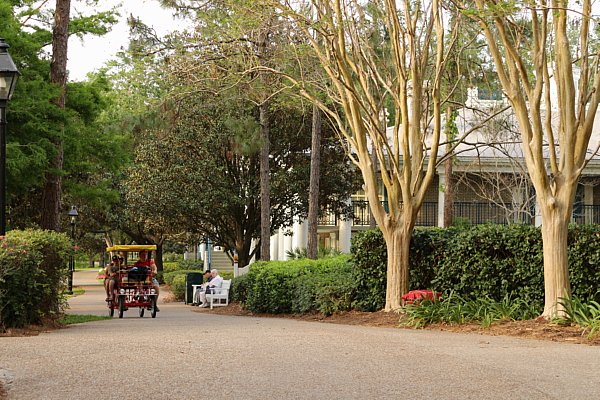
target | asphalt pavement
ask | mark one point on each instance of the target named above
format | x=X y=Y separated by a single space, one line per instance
x=185 y=354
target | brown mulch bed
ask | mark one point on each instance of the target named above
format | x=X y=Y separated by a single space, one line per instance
x=531 y=329
x=32 y=330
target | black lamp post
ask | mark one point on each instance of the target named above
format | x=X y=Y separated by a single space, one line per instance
x=8 y=80
x=73 y=220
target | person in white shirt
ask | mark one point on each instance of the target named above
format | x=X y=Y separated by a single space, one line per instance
x=207 y=278
x=215 y=282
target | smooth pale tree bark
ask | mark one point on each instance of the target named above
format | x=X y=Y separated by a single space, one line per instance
x=52 y=191
x=312 y=246
x=554 y=152
x=405 y=69
x=448 y=172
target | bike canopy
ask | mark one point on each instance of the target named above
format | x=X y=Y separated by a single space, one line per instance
x=131 y=247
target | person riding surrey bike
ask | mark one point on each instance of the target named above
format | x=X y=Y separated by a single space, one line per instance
x=144 y=261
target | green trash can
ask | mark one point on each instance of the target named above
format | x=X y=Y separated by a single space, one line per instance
x=191 y=278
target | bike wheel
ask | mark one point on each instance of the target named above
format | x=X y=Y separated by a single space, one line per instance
x=141 y=312
x=121 y=306
x=153 y=307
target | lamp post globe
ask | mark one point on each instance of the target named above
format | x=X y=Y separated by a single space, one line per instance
x=73 y=214
x=8 y=80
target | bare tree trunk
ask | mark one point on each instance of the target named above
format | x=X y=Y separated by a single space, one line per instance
x=312 y=246
x=52 y=191
x=265 y=182
x=449 y=187
x=398 y=246
x=556 y=261
x=448 y=192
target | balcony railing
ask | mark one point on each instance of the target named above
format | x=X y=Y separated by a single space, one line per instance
x=475 y=213
x=586 y=214
x=362 y=217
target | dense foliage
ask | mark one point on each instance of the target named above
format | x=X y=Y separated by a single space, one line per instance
x=482 y=261
x=495 y=269
x=369 y=259
x=33 y=270
x=297 y=286
x=91 y=153
x=199 y=172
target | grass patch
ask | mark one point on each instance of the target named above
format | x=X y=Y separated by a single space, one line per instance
x=77 y=291
x=69 y=319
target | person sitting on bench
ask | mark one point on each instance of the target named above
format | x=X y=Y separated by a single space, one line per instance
x=215 y=282
x=207 y=278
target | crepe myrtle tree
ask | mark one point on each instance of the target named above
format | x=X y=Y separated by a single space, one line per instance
x=534 y=53
x=403 y=71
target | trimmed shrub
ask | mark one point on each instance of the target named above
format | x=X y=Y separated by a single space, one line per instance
x=240 y=287
x=493 y=261
x=296 y=286
x=584 y=258
x=190 y=265
x=178 y=287
x=169 y=277
x=369 y=267
x=33 y=271
x=369 y=261
x=170 y=267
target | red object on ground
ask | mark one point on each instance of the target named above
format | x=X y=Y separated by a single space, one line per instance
x=415 y=295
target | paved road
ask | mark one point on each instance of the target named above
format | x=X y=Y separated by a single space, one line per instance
x=183 y=352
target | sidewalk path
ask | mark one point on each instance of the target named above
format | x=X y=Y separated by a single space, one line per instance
x=181 y=352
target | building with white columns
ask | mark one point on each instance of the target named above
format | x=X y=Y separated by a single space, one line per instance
x=490 y=182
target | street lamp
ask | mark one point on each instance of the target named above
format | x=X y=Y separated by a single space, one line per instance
x=8 y=80
x=73 y=220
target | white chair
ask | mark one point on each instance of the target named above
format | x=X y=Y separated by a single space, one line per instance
x=219 y=294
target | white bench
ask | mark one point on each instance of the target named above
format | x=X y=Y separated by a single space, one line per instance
x=219 y=294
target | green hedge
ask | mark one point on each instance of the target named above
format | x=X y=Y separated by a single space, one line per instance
x=369 y=261
x=584 y=261
x=176 y=282
x=296 y=286
x=33 y=271
x=493 y=261
x=481 y=261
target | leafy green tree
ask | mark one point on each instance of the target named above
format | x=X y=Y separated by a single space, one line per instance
x=36 y=123
x=199 y=173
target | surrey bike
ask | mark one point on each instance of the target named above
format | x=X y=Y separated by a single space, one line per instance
x=133 y=284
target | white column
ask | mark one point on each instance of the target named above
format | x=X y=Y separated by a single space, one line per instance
x=300 y=236
x=441 y=199
x=281 y=252
x=202 y=250
x=334 y=241
x=287 y=244
x=252 y=247
x=345 y=233
x=588 y=200
x=518 y=201
x=275 y=246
